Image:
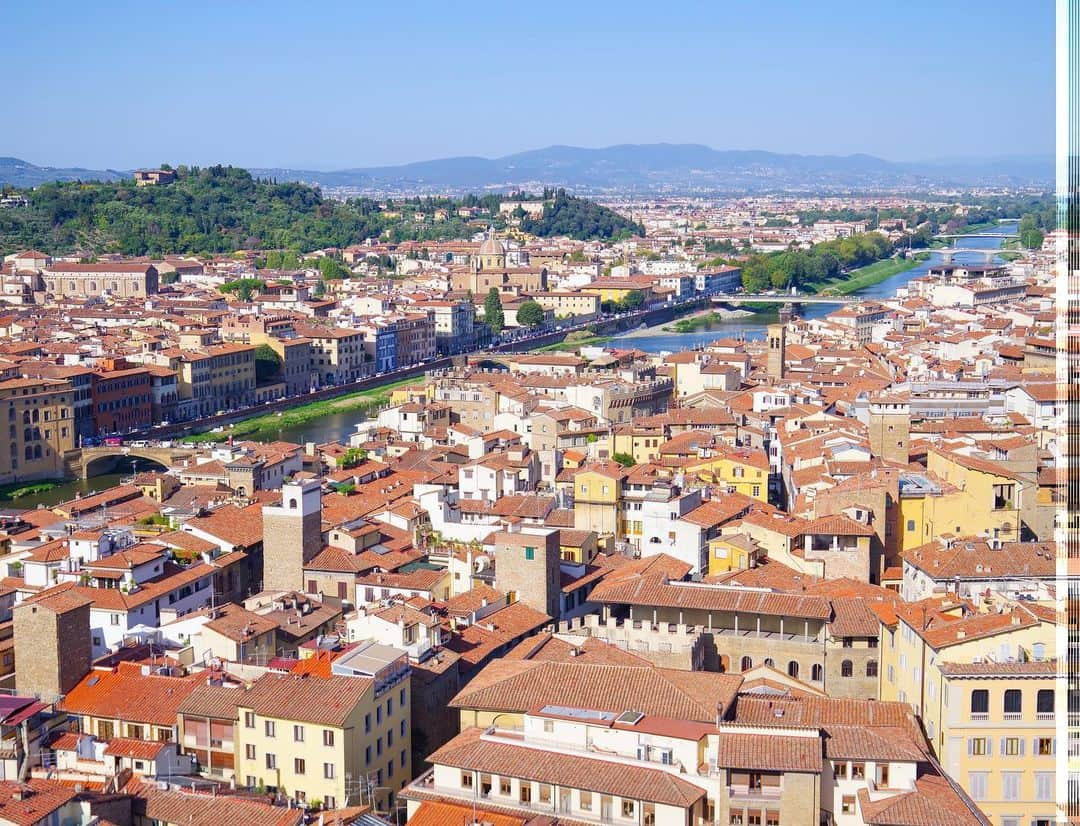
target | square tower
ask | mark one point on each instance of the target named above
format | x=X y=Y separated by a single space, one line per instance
x=292 y=535
x=890 y=428
x=52 y=644
x=777 y=353
x=527 y=566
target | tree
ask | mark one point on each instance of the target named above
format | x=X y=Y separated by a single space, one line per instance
x=332 y=269
x=530 y=314
x=624 y=459
x=493 y=311
x=244 y=288
x=633 y=299
x=267 y=363
x=1031 y=238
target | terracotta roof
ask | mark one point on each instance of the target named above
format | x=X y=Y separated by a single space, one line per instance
x=934 y=801
x=125 y=693
x=209 y=810
x=32 y=802
x=137 y=749
x=520 y=685
x=469 y=751
x=653 y=590
x=324 y=701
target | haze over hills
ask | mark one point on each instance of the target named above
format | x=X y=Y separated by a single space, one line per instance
x=642 y=167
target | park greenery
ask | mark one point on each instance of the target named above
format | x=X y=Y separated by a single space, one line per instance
x=579 y=218
x=221 y=209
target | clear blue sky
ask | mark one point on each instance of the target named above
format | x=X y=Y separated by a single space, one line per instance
x=325 y=85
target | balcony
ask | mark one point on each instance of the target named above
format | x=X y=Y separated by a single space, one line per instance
x=759 y=795
x=979 y=716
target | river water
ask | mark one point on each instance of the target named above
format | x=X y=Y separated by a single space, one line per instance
x=338 y=426
x=753 y=327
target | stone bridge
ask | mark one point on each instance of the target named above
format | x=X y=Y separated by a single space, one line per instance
x=92 y=461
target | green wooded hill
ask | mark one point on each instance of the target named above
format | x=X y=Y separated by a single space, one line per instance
x=220 y=209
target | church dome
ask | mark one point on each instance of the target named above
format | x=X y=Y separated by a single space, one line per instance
x=492 y=247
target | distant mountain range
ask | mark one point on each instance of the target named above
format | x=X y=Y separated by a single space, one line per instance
x=642 y=167
x=15 y=172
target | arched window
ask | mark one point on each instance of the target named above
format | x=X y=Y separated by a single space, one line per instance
x=292 y=504
x=11 y=414
x=37 y=451
x=815 y=672
x=28 y=435
x=769 y=662
x=980 y=701
x=746 y=664
x=1038 y=651
x=871 y=668
x=793 y=669
x=846 y=668
x=26 y=417
x=93 y=286
x=1013 y=701
x=34 y=416
x=29 y=453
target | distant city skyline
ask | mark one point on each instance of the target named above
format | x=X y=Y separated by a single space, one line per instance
x=335 y=85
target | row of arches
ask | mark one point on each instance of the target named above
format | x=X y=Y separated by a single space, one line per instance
x=817 y=671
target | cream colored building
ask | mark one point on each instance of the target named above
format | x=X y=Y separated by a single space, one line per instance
x=336 y=732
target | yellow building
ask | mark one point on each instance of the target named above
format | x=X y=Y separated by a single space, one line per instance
x=640 y=442
x=598 y=498
x=39 y=414
x=324 y=736
x=960 y=495
x=984 y=687
x=744 y=471
x=616 y=289
x=736 y=552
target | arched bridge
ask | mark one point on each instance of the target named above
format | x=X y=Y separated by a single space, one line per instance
x=91 y=461
x=784 y=298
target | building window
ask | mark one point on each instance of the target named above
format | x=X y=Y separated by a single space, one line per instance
x=746 y=664
x=504 y=786
x=1044 y=785
x=816 y=672
x=271 y=761
x=530 y=553
x=549 y=726
x=980 y=702
x=1012 y=746
x=298 y=734
x=466 y=780
x=269 y=727
x=846 y=668
x=858 y=771
x=628 y=808
x=977 y=785
x=871 y=668
x=249 y=751
x=585 y=801
x=978 y=746
x=1044 y=704
x=327 y=737
x=299 y=766
x=1010 y=785
x=847 y=804
x=329 y=802
x=793 y=669
x=1013 y=703
x=1044 y=746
